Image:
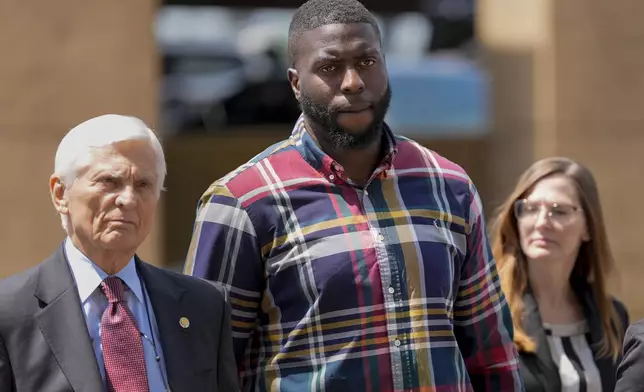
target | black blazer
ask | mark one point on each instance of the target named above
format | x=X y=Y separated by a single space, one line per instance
x=539 y=372
x=45 y=345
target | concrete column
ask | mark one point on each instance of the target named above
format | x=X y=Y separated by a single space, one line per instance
x=568 y=80
x=63 y=62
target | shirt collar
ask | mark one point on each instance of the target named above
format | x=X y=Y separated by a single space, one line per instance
x=88 y=276
x=327 y=166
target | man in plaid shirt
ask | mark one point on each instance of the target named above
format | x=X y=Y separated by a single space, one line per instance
x=356 y=260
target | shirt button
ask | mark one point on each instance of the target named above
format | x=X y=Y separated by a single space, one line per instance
x=391 y=290
x=331 y=177
x=381 y=237
x=397 y=343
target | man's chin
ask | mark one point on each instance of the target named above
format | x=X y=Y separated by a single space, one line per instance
x=120 y=240
x=358 y=129
x=357 y=133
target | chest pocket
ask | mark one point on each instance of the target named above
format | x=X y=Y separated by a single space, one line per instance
x=428 y=254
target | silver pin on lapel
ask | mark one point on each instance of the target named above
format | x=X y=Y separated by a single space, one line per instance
x=184 y=322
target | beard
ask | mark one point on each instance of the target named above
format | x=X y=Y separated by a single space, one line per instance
x=339 y=138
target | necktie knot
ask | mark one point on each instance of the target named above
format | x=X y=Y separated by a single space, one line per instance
x=113 y=289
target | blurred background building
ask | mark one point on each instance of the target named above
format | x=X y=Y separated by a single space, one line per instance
x=491 y=84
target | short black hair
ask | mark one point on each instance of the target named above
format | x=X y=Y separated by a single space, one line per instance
x=316 y=13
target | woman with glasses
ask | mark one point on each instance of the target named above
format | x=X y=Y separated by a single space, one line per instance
x=554 y=259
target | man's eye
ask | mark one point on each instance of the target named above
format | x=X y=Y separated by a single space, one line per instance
x=328 y=68
x=367 y=63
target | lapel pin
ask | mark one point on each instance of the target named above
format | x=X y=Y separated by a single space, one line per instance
x=184 y=322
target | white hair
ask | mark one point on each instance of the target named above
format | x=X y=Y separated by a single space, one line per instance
x=75 y=150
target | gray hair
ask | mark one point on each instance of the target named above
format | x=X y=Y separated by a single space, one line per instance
x=75 y=150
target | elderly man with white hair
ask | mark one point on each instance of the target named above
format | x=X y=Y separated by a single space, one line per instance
x=94 y=317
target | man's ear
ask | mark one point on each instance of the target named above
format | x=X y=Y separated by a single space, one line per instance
x=294 y=80
x=57 y=191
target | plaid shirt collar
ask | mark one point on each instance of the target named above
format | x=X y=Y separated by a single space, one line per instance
x=329 y=167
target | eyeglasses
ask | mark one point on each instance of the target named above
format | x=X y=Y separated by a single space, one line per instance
x=529 y=211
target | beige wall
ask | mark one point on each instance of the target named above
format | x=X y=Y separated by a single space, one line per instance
x=62 y=63
x=568 y=81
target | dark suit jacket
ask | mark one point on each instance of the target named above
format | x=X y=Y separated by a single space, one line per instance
x=538 y=371
x=630 y=372
x=45 y=345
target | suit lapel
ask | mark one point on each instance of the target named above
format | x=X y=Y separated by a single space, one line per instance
x=604 y=364
x=178 y=343
x=534 y=328
x=62 y=323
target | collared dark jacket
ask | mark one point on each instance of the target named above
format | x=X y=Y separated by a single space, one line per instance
x=538 y=371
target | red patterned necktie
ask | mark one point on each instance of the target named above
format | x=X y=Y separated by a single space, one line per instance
x=122 y=345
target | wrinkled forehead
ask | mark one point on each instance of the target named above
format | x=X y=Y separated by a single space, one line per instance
x=339 y=40
x=139 y=155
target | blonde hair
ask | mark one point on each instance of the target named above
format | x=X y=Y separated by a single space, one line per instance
x=594 y=260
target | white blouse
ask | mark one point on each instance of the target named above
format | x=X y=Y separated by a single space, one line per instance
x=573 y=356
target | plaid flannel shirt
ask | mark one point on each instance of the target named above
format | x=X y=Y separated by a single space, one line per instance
x=390 y=287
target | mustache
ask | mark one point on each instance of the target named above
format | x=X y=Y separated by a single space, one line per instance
x=381 y=105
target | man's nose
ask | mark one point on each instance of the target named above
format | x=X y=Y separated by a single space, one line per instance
x=126 y=197
x=352 y=83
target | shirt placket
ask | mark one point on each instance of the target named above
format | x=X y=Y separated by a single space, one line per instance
x=391 y=280
x=392 y=286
